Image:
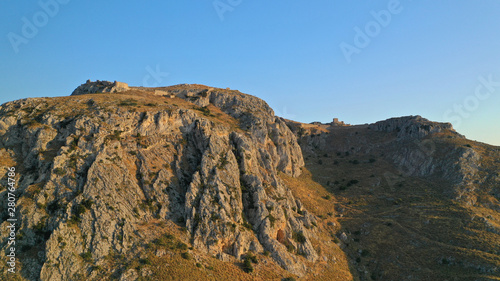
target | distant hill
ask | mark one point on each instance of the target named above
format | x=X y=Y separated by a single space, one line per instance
x=414 y=199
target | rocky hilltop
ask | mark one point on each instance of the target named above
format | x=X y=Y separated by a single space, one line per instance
x=93 y=169
x=195 y=182
x=100 y=87
x=412 y=127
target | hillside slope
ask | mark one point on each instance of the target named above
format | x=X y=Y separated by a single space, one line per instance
x=415 y=199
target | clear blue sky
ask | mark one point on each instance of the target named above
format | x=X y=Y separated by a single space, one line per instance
x=427 y=58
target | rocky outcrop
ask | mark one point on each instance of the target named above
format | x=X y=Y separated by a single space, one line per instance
x=92 y=172
x=411 y=127
x=100 y=87
x=416 y=155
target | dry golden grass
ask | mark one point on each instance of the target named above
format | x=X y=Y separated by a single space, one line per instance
x=6 y=160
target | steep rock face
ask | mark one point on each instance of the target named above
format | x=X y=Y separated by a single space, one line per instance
x=91 y=173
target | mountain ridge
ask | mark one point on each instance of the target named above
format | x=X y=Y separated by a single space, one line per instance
x=216 y=168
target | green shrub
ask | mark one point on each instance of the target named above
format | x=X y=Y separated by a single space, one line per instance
x=128 y=102
x=250 y=256
x=79 y=209
x=87 y=256
x=59 y=171
x=272 y=220
x=115 y=136
x=299 y=237
x=214 y=217
x=222 y=161
x=247 y=266
x=73 y=160
x=246 y=224
x=87 y=203
x=186 y=256
x=53 y=206
x=204 y=110
x=181 y=246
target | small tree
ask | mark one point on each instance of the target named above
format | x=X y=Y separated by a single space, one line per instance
x=247 y=265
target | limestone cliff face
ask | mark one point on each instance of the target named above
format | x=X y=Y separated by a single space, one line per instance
x=92 y=169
